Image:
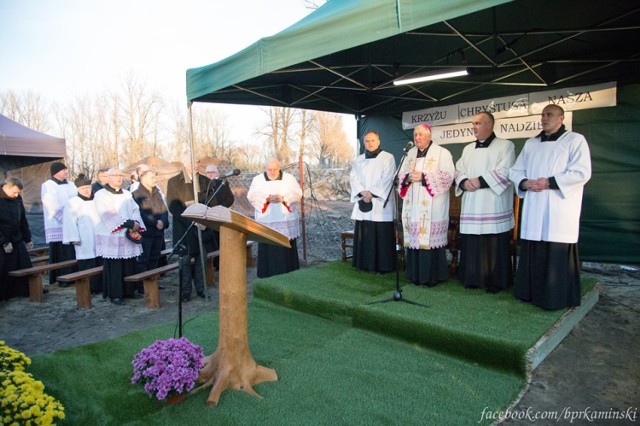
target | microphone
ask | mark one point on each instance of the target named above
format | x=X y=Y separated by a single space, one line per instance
x=408 y=146
x=235 y=172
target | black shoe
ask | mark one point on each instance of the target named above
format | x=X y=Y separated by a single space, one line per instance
x=45 y=290
x=63 y=285
x=117 y=301
x=185 y=298
x=201 y=294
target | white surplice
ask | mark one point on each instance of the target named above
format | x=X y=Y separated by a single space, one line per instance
x=376 y=176
x=282 y=217
x=114 y=210
x=54 y=197
x=80 y=221
x=487 y=210
x=553 y=215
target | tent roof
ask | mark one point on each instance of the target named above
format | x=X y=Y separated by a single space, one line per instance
x=344 y=56
x=18 y=140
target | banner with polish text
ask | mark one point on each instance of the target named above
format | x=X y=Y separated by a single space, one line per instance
x=516 y=116
x=505 y=128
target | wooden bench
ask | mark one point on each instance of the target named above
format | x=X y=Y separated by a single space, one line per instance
x=82 y=284
x=81 y=281
x=38 y=251
x=34 y=274
x=150 y=280
x=40 y=260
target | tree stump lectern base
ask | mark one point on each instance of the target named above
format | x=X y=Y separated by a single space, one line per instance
x=232 y=366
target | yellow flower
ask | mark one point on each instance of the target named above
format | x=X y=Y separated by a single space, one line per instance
x=22 y=398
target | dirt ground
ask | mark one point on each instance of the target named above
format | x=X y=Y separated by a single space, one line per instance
x=595 y=370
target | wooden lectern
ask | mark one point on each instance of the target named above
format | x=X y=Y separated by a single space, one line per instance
x=232 y=365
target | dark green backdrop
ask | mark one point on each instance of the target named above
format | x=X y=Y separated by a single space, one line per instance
x=610 y=221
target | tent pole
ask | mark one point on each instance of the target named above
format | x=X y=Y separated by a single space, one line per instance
x=195 y=200
x=304 y=228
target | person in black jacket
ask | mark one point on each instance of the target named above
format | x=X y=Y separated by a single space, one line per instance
x=179 y=197
x=218 y=194
x=155 y=216
x=15 y=240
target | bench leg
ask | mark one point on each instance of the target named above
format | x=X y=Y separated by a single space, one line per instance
x=151 y=295
x=35 y=288
x=250 y=261
x=345 y=237
x=83 y=293
x=210 y=273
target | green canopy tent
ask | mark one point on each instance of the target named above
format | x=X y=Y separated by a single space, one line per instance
x=344 y=57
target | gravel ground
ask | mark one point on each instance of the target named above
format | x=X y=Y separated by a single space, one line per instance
x=594 y=371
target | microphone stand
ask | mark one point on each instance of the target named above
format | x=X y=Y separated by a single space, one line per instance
x=202 y=251
x=182 y=249
x=397 y=294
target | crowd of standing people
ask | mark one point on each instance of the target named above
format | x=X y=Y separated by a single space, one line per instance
x=549 y=175
x=104 y=224
x=101 y=223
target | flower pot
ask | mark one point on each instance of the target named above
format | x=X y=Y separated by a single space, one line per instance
x=176 y=399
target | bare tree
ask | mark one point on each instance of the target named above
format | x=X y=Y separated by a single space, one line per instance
x=329 y=143
x=211 y=136
x=28 y=109
x=250 y=156
x=139 y=114
x=307 y=127
x=279 y=131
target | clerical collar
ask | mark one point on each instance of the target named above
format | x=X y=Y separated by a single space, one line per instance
x=278 y=178
x=59 y=182
x=486 y=142
x=553 y=136
x=423 y=152
x=112 y=190
x=372 y=154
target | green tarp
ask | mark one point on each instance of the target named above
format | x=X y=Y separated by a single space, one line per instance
x=344 y=57
x=337 y=26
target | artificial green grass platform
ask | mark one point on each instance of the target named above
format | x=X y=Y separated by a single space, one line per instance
x=329 y=373
x=339 y=359
x=491 y=329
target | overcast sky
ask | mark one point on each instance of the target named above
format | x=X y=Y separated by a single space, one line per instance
x=63 y=48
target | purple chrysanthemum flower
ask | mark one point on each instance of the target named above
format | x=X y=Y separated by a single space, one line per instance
x=168 y=366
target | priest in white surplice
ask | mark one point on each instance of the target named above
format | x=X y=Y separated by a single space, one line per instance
x=275 y=196
x=371 y=178
x=425 y=178
x=119 y=215
x=54 y=193
x=486 y=219
x=79 y=229
x=550 y=174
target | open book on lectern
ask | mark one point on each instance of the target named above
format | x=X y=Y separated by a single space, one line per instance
x=220 y=216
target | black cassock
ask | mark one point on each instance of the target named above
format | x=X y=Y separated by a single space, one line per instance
x=374 y=246
x=14 y=229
